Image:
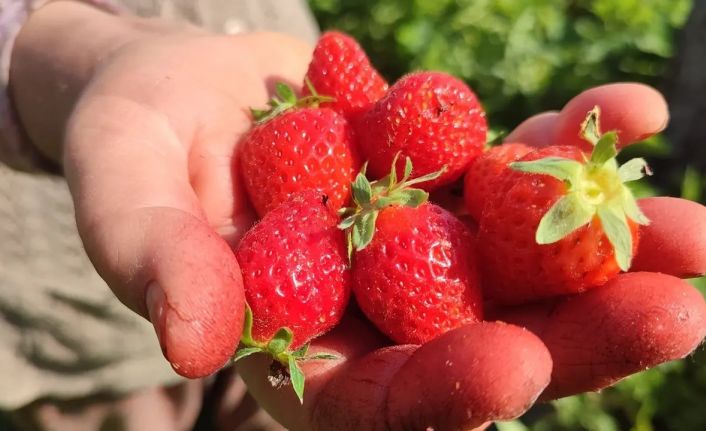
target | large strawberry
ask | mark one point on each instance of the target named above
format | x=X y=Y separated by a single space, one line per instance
x=560 y=221
x=430 y=117
x=295 y=147
x=296 y=279
x=484 y=171
x=414 y=268
x=339 y=68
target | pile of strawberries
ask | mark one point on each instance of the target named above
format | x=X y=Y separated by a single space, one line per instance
x=341 y=177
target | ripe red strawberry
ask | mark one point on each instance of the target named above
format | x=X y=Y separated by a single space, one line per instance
x=483 y=173
x=339 y=68
x=560 y=221
x=295 y=275
x=430 y=117
x=297 y=149
x=415 y=278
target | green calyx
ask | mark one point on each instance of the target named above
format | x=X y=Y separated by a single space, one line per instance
x=371 y=197
x=279 y=349
x=285 y=99
x=595 y=188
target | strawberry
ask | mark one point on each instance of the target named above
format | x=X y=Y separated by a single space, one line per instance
x=296 y=279
x=560 y=221
x=414 y=269
x=483 y=173
x=430 y=117
x=340 y=68
x=295 y=147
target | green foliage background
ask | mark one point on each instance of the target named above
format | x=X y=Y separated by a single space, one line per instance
x=520 y=56
x=526 y=56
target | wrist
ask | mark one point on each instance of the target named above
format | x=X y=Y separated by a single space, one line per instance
x=55 y=56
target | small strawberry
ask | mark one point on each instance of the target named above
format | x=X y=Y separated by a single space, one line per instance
x=415 y=278
x=430 y=117
x=296 y=279
x=339 y=68
x=483 y=173
x=293 y=148
x=560 y=222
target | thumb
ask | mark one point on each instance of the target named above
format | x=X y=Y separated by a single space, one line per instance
x=144 y=230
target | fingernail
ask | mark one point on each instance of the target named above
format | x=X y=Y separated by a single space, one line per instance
x=155 y=301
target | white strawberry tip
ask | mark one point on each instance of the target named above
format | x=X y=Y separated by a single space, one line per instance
x=285 y=99
x=371 y=197
x=595 y=188
x=278 y=348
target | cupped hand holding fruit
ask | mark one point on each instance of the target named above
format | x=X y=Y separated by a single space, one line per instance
x=487 y=371
x=149 y=160
x=159 y=232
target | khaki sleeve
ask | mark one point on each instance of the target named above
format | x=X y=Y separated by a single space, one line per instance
x=230 y=16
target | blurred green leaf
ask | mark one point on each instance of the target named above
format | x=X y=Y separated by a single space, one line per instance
x=511 y=426
x=519 y=56
x=692 y=184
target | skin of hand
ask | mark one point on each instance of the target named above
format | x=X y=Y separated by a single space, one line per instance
x=152 y=114
x=148 y=157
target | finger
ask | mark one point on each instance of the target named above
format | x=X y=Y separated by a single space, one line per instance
x=383 y=389
x=355 y=399
x=469 y=376
x=142 y=226
x=351 y=339
x=635 y=111
x=536 y=131
x=675 y=240
x=148 y=195
x=634 y=322
x=391 y=388
x=534 y=316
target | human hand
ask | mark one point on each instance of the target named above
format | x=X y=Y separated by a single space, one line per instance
x=490 y=371
x=148 y=155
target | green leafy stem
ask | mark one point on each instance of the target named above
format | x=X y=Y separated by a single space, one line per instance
x=285 y=99
x=371 y=197
x=279 y=349
x=596 y=187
